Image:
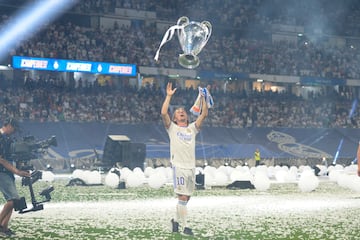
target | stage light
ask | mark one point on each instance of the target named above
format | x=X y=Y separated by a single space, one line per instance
x=72 y=167
x=30 y=20
x=49 y=167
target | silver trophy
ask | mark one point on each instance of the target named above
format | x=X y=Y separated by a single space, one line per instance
x=193 y=36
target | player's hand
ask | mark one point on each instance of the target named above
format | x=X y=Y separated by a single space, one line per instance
x=169 y=90
x=359 y=172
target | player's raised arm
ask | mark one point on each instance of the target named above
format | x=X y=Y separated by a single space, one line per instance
x=165 y=107
x=204 y=112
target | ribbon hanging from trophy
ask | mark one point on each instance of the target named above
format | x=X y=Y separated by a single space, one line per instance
x=192 y=36
x=196 y=108
x=167 y=37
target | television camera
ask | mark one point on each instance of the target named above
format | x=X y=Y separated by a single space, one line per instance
x=28 y=148
x=21 y=153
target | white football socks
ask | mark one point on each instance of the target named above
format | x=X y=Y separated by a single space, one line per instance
x=181 y=213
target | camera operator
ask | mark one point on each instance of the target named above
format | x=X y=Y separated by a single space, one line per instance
x=7 y=179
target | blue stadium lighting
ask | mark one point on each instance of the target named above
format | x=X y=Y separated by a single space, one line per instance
x=338 y=151
x=30 y=20
x=353 y=108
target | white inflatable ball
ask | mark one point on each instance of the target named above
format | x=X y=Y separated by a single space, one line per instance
x=285 y=168
x=245 y=168
x=93 y=177
x=277 y=168
x=293 y=168
x=306 y=168
x=138 y=170
x=209 y=170
x=148 y=171
x=112 y=180
x=139 y=173
x=245 y=175
x=157 y=180
x=220 y=178
x=330 y=168
x=169 y=174
x=48 y=176
x=261 y=181
x=351 y=169
x=308 y=181
x=271 y=172
x=134 y=179
x=209 y=180
x=339 y=167
x=354 y=183
x=238 y=167
x=333 y=175
x=85 y=176
x=222 y=168
x=226 y=169
x=124 y=172
x=236 y=175
x=262 y=168
x=291 y=176
x=344 y=180
x=230 y=170
x=78 y=173
x=301 y=168
x=252 y=170
x=161 y=169
x=281 y=176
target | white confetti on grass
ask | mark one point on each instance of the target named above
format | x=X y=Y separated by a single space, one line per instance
x=282 y=212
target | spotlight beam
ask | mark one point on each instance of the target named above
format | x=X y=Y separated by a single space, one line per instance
x=353 y=108
x=29 y=21
x=338 y=151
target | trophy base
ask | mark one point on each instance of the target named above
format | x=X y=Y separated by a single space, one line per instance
x=189 y=61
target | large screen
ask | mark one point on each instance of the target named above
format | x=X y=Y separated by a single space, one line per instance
x=63 y=65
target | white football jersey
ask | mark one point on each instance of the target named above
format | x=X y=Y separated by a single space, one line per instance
x=182 y=145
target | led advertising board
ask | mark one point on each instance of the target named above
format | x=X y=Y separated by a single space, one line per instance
x=63 y=65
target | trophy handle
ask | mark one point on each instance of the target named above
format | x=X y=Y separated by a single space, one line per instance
x=209 y=28
x=183 y=21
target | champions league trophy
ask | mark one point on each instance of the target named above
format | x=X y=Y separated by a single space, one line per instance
x=193 y=36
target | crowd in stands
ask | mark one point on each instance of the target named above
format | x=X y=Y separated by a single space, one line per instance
x=337 y=17
x=45 y=100
x=224 y=52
